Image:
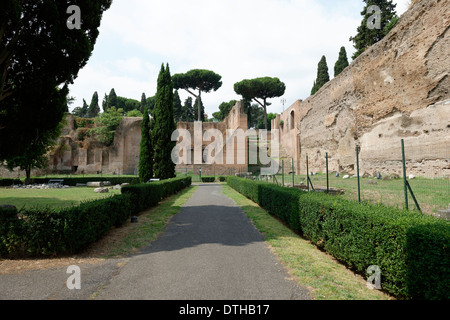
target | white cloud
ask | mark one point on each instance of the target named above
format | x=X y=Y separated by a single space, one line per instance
x=238 y=39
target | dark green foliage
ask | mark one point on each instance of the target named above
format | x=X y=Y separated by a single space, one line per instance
x=411 y=249
x=106 y=125
x=208 y=179
x=6 y=182
x=94 y=108
x=46 y=231
x=39 y=58
x=146 y=149
x=81 y=112
x=278 y=201
x=222 y=178
x=28 y=115
x=164 y=126
x=9 y=229
x=146 y=195
x=151 y=104
x=259 y=90
x=198 y=80
x=428 y=249
x=143 y=103
x=126 y=104
x=322 y=75
x=177 y=107
x=366 y=36
x=341 y=63
x=314 y=88
x=34 y=156
x=224 y=110
x=255 y=115
x=90 y=221
x=188 y=113
x=111 y=100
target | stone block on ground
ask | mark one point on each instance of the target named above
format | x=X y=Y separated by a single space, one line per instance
x=101 y=190
x=95 y=184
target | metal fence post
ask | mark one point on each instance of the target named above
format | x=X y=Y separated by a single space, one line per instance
x=307 y=173
x=328 y=183
x=293 y=173
x=357 y=173
x=405 y=182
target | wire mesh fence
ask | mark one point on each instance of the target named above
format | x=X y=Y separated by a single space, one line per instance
x=412 y=178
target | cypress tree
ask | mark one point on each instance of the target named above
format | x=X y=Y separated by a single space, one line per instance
x=84 y=110
x=188 y=113
x=177 y=107
x=322 y=75
x=105 y=103
x=314 y=88
x=368 y=35
x=143 y=103
x=112 y=99
x=341 y=63
x=164 y=126
x=146 y=150
x=94 y=108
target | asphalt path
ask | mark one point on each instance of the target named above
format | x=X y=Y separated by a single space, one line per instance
x=209 y=251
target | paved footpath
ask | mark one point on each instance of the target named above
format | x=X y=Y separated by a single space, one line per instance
x=209 y=251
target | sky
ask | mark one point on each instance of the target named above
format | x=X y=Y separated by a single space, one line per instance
x=238 y=39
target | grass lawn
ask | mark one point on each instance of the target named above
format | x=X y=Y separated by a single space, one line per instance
x=310 y=267
x=431 y=194
x=55 y=198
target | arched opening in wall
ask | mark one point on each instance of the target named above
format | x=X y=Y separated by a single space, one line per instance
x=292 y=120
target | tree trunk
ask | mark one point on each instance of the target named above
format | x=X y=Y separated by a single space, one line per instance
x=199 y=105
x=28 y=174
x=265 y=114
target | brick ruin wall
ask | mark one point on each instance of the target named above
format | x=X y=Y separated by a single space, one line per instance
x=397 y=89
x=122 y=157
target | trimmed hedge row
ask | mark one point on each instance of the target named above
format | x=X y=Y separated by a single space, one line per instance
x=146 y=195
x=5 y=182
x=71 y=181
x=46 y=231
x=411 y=249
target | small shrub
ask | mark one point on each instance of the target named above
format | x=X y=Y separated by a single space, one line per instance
x=208 y=179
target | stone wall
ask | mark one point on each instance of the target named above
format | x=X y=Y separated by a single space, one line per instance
x=122 y=157
x=236 y=120
x=397 y=89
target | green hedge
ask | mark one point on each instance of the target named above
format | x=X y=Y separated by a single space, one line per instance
x=4 y=182
x=9 y=229
x=411 y=249
x=208 y=179
x=149 y=194
x=47 y=231
x=73 y=181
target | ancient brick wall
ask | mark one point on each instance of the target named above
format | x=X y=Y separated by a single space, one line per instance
x=397 y=89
